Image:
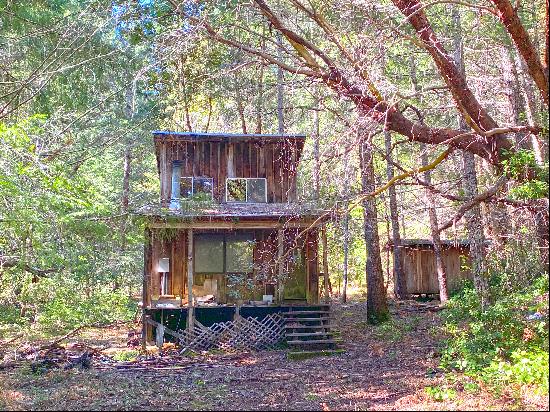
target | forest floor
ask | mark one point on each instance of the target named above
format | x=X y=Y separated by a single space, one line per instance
x=389 y=367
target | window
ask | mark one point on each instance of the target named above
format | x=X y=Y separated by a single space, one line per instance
x=239 y=254
x=209 y=253
x=197 y=188
x=251 y=190
x=224 y=253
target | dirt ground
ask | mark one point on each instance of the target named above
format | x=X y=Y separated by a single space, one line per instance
x=386 y=367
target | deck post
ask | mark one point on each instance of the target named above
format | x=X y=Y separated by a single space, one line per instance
x=325 y=261
x=280 y=265
x=145 y=293
x=190 y=309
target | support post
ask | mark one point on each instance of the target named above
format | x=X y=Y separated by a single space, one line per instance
x=325 y=262
x=190 y=308
x=145 y=293
x=280 y=252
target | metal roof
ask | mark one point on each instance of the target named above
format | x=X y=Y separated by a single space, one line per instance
x=227 y=135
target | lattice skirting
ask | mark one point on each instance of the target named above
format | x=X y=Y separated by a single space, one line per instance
x=239 y=334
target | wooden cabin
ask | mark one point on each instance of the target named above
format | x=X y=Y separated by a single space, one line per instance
x=227 y=234
x=420 y=269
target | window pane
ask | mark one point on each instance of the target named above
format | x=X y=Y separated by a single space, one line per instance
x=186 y=187
x=239 y=254
x=256 y=190
x=202 y=188
x=209 y=254
x=236 y=190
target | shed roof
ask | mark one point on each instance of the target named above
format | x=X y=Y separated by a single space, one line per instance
x=428 y=243
x=216 y=137
x=221 y=211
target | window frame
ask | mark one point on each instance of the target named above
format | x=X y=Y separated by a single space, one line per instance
x=211 y=179
x=246 y=179
x=224 y=257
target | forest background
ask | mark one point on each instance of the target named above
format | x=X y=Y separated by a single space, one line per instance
x=380 y=88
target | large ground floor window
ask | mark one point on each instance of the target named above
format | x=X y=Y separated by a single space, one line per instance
x=224 y=253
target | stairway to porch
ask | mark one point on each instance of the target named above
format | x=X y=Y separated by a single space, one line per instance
x=309 y=329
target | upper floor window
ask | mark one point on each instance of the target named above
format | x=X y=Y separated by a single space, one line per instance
x=251 y=190
x=196 y=188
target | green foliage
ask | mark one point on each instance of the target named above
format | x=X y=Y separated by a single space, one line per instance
x=503 y=343
x=440 y=394
x=126 y=356
x=521 y=164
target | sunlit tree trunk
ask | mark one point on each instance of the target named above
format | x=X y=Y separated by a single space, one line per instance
x=399 y=282
x=474 y=223
x=377 y=307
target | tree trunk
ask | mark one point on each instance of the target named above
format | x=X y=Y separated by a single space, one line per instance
x=399 y=281
x=474 y=222
x=377 y=307
x=316 y=154
x=436 y=240
x=345 y=229
x=280 y=88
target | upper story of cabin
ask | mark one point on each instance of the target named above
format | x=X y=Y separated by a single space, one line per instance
x=227 y=168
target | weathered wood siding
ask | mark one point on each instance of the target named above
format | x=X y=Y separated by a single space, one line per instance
x=174 y=246
x=420 y=269
x=274 y=160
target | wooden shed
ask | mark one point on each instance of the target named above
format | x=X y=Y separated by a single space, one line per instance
x=420 y=269
x=227 y=236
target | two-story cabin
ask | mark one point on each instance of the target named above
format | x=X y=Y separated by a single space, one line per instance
x=228 y=234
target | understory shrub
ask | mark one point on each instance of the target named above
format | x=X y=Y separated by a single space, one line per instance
x=506 y=343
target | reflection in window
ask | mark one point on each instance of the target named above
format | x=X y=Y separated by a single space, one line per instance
x=224 y=254
x=239 y=254
x=209 y=253
x=236 y=190
x=250 y=190
x=196 y=188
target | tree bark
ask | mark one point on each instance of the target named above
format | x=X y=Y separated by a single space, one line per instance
x=434 y=229
x=399 y=281
x=474 y=223
x=345 y=229
x=280 y=89
x=509 y=17
x=377 y=307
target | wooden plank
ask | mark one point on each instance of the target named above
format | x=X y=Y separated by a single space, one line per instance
x=254 y=160
x=206 y=160
x=213 y=167
x=190 y=159
x=268 y=153
x=261 y=161
x=196 y=159
x=312 y=265
x=190 y=308
x=234 y=225
x=145 y=293
x=246 y=160
x=163 y=176
x=325 y=262
x=155 y=255
x=178 y=258
x=231 y=160
x=222 y=172
x=277 y=198
x=280 y=263
x=239 y=160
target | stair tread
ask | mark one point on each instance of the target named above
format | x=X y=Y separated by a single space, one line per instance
x=306 y=312
x=308 y=327
x=306 y=319
x=312 y=334
x=310 y=342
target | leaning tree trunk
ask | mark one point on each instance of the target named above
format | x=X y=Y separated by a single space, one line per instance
x=474 y=223
x=377 y=306
x=399 y=282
